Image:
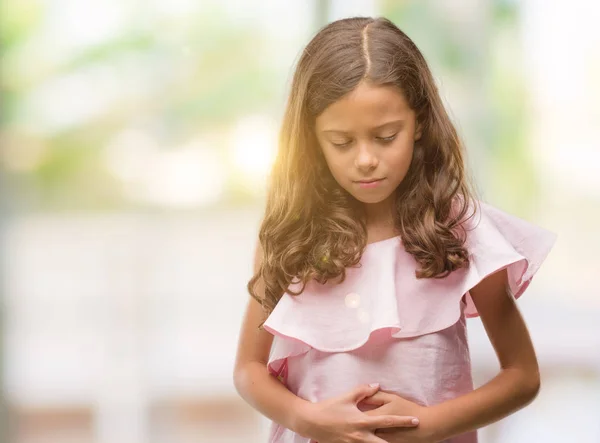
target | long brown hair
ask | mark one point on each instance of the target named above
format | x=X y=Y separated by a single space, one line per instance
x=312 y=227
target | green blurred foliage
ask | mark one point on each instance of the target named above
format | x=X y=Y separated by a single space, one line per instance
x=206 y=79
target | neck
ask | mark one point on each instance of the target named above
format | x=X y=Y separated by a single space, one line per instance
x=380 y=214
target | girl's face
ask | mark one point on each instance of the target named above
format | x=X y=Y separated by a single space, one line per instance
x=367 y=139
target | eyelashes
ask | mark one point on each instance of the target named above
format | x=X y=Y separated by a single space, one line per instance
x=384 y=140
x=340 y=145
x=387 y=139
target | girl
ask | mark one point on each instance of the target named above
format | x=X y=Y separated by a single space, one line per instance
x=372 y=253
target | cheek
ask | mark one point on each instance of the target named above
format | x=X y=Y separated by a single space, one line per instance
x=399 y=159
x=335 y=162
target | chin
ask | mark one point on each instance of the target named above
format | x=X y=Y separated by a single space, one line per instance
x=370 y=199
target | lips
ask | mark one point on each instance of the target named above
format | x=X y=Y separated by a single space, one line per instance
x=373 y=180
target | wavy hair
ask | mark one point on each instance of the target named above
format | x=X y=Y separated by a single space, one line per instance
x=312 y=227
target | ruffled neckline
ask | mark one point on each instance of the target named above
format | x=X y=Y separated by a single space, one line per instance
x=384 y=293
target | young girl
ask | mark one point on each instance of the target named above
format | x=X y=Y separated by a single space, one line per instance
x=372 y=252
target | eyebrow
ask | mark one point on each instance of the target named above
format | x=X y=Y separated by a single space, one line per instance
x=392 y=122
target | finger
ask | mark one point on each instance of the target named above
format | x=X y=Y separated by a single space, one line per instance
x=382 y=410
x=362 y=391
x=392 y=421
x=378 y=399
x=375 y=439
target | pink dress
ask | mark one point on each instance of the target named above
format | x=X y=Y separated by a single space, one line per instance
x=383 y=325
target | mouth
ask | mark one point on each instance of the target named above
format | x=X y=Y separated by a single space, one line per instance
x=372 y=180
x=371 y=183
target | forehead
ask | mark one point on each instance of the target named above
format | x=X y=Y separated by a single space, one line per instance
x=365 y=107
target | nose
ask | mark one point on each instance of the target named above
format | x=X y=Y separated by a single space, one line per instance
x=365 y=160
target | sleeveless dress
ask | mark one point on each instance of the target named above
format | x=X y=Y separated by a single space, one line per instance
x=383 y=325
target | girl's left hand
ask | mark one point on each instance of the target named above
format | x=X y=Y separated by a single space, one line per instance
x=388 y=403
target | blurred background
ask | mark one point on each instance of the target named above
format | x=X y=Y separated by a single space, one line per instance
x=135 y=142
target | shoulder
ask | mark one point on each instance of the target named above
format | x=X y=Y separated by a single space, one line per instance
x=499 y=241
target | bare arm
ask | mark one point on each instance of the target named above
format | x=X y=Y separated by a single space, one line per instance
x=251 y=378
x=518 y=381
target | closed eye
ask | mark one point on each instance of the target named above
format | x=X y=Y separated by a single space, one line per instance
x=340 y=145
x=382 y=139
x=387 y=139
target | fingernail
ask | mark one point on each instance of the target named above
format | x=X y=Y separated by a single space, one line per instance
x=374 y=385
x=415 y=421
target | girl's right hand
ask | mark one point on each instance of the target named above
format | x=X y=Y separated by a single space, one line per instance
x=338 y=419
